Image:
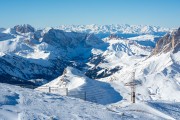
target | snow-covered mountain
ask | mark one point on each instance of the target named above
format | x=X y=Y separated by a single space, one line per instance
x=158 y=75
x=98 y=61
x=122 y=57
x=23 y=57
x=143 y=34
x=37 y=55
x=33 y=56
x=121 y=30
x=26 y=28
x=137 y=29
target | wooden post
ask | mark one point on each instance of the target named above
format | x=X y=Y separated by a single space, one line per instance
x=133 y=96
x=49 y=89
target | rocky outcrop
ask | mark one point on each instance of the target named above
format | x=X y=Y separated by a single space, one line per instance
x=169 y=42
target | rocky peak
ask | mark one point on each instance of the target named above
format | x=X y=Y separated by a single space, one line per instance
x=26 y=28
x=169 y=42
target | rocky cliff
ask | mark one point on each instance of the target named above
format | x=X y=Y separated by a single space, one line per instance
x=171 y=41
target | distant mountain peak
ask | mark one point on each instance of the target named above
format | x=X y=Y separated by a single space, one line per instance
x=118 y=28
x=25 y=28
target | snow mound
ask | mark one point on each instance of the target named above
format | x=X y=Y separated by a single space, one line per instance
x=78 y=83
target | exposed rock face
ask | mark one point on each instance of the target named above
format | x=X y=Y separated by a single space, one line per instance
x=26 y=28
x=63 y=39
x=177 y=48
x=70 y=39
x=168 y=42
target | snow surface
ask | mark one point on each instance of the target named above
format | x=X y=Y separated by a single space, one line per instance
x=25 y=104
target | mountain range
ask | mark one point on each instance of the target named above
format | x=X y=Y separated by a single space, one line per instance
x=108 y=53
x=96 y=61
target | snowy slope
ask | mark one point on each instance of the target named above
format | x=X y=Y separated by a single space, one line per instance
x=157 y=110
x=21 y=104
x=146 y=40
x=158 y=77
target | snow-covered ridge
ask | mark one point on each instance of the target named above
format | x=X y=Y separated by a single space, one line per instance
x=115 y=29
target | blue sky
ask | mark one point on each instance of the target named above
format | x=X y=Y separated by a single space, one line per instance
x=43 y=13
